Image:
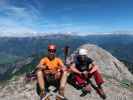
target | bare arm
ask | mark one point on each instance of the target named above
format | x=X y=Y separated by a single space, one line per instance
x=90 y=66
x=62 y=66
x=75 y=70
x=93 y=67
x=40 y=66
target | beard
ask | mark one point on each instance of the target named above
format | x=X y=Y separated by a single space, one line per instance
x=51 y=56
x=81 y=59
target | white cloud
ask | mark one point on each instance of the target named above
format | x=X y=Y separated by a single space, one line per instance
x=28 y=21
x=15 y=11
x=17 y=31
x=20 y=13
x=18 y=20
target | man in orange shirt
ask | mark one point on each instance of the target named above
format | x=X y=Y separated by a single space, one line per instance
x=51 y=65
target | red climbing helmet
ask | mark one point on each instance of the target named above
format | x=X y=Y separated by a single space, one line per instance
x=52 y=48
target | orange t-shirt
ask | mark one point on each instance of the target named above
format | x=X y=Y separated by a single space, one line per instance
x=54 y=64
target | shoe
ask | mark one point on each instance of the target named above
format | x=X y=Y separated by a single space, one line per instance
x=42 y=93
x=84 y=93
x=61 y=93
x=58 y=98
x=101 y=93
x=65 y=98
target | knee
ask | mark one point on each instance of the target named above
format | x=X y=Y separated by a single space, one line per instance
x=58 y=75
x=61 y=91
x=97 y=73
x=39 y=73
x=65 y=74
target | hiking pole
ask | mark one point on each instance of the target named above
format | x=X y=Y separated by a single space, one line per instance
x=66 y=52
x=101 y=93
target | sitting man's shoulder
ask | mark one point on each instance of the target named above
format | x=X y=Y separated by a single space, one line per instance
x=89 y=59
x=58 y=58
x=45 y=58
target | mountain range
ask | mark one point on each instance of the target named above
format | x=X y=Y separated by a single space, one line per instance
x=119 y=45
x=17 y=49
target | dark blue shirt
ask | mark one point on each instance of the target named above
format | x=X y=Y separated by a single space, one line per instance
x=82 y=66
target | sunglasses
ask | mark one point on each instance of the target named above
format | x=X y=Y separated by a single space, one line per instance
x=52 y=50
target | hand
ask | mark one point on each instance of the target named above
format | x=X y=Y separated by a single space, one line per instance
x=48 y=71
x=53 y=72
x=57 y=75
x=85 y=74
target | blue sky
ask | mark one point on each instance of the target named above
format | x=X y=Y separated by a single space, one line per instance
x=21 y=16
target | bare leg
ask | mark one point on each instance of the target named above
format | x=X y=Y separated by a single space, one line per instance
x=40 y=79
x=62 y=84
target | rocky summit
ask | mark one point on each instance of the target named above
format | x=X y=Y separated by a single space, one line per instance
x=117 y=86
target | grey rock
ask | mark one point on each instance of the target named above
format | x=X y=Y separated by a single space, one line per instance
x=17 y=89
x=108 y=64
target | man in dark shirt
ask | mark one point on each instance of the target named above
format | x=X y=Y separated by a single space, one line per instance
x=84 y=68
